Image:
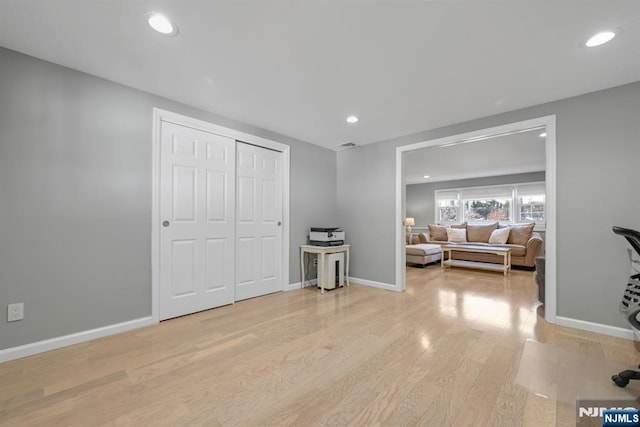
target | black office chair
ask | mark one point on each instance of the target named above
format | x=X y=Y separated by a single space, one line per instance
x=630 y=304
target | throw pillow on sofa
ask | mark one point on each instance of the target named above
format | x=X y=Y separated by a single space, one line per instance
x=438 y=232
x=413 y=239
x=423 y=238
x=520 y=234
x=457 y=235
x=499 y=236
x=481 y=233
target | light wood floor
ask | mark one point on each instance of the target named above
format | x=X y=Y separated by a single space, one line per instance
x=459 y=347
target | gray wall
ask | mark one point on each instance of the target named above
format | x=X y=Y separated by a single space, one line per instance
x=598 y=150
x=75 y=188
x=419 y=197
x=366 y=207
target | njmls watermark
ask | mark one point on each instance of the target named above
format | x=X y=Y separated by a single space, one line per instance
x=607 y=412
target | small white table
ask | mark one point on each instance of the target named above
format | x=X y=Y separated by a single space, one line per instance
x=322 y=251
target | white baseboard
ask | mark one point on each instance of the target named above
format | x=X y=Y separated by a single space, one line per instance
x=67 y=340
x=614 y=331
x=308 y=283
x=292 y=286
x=313 y=282
x=373 y=284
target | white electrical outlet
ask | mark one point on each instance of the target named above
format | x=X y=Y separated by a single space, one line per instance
x=15 y=312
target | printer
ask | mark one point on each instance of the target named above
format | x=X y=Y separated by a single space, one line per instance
x=323 y=236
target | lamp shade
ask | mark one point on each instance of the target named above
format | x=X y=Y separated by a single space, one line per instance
x=410 y=221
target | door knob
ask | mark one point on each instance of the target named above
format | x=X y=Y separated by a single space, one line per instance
x=165 y=223
x=279 y=223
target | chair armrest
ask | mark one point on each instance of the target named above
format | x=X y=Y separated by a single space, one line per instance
x=532 y=249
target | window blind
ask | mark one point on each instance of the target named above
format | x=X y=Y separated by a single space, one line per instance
x=533 y=189
x=487 y=193
x=447 y=194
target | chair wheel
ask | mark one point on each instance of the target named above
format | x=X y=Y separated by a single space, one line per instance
x=620 y=382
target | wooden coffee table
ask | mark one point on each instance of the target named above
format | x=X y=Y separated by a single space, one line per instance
x=505 y=267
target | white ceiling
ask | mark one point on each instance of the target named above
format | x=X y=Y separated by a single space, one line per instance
x=504 y=155
x=299 y=67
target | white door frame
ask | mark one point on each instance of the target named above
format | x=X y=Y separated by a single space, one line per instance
x=159 y=116
x=546 y=122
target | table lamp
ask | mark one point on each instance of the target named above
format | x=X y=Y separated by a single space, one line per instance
x=410 y=222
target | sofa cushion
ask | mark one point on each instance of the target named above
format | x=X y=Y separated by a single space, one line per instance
x=516 y=250
x=457 y=235
x=520 y=234
x=438 y=232
x=423 y=238
x=499 y=236
x=480 y=233
x=423 y=250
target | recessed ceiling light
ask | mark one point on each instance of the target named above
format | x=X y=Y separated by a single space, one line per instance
x=543 y=135
x=426 y=176
x=352 y=119
x=600 y=38
x=161 y=24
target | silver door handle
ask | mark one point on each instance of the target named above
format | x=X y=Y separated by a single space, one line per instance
x=165 y=223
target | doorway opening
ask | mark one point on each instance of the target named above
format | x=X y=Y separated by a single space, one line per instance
x=544 y=125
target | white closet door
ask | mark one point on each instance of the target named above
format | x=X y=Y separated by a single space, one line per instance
x=197 y=220
x=259 y=216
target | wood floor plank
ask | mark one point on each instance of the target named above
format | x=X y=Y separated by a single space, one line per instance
x=447 y=351
x=539 y=411
x=509 y=408
x=482 y=398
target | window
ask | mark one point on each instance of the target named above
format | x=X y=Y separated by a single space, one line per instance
x=531 y=202
x=487 y=210
x=449 y=213
x=448 y=210
x=448 y=206
x=531 y=208
x=505 y=203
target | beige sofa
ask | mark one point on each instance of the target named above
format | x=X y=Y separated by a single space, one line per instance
x=525 y=244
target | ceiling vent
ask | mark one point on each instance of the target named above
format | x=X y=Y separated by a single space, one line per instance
x=348 y=145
